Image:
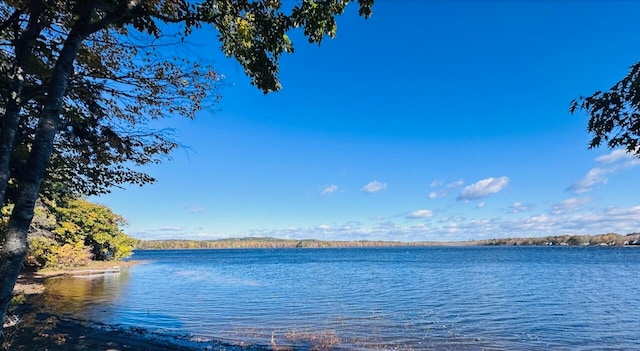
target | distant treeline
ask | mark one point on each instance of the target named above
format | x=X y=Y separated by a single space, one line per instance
x=611 y=239
x=265 y=242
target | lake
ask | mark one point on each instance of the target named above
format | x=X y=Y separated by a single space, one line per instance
x=451 y=298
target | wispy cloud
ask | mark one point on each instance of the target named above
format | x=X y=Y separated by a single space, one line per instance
x=374 y=187
x=196 y=209
x=594 y=177
x=420 y=214
x=386 y=225
x=481 y=205
x=324 y=227
x=455 y=184
x=192 y=207
x=444 y=191
x=614 y=162
x=328 y=190
x=483 y=188
x=615 y=156
x=518 y=207
x=569 y=205
x=459 y=228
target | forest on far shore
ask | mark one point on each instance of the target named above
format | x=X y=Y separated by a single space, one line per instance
x=611 y=239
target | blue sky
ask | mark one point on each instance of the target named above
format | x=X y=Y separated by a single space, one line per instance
x=433 y=120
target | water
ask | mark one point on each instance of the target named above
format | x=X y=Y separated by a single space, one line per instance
x=469 y=298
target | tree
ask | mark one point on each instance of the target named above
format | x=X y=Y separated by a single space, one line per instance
x=74 y=232
x=81 y=79
x=96 y=227
x=614 y=115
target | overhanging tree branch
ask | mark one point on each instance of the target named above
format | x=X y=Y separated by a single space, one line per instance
x=70 y=129
x=614 y=115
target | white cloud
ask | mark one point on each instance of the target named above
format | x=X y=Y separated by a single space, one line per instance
x=456 y=184
x=386 y=225
x=569 y=205
x=328 y=190
x=615 y=156
x=481 y=205
x=616 y=161
x=518 y=207
x=452 y=220
x=483 y=188
x=374 y=187
x=324 y=227
x=458 y=228
x=420 y=214
x=444 y=192
x=594 y=177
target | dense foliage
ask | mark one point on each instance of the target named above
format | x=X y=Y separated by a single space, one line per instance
x=96 y=227
x=74 y=233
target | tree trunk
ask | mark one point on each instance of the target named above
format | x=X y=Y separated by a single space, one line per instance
x=11 y=118
x=10 y=123
x=15 y=246
x=11 y=257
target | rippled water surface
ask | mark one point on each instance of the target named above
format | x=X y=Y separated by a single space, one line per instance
x=469 y=298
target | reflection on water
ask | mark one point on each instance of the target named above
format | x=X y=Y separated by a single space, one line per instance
x=80 y=295
x=493 y=298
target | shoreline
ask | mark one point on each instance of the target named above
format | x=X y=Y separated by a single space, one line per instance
x=38 y=329
x=46 y=331
x=611 y=239
x=31 y=282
